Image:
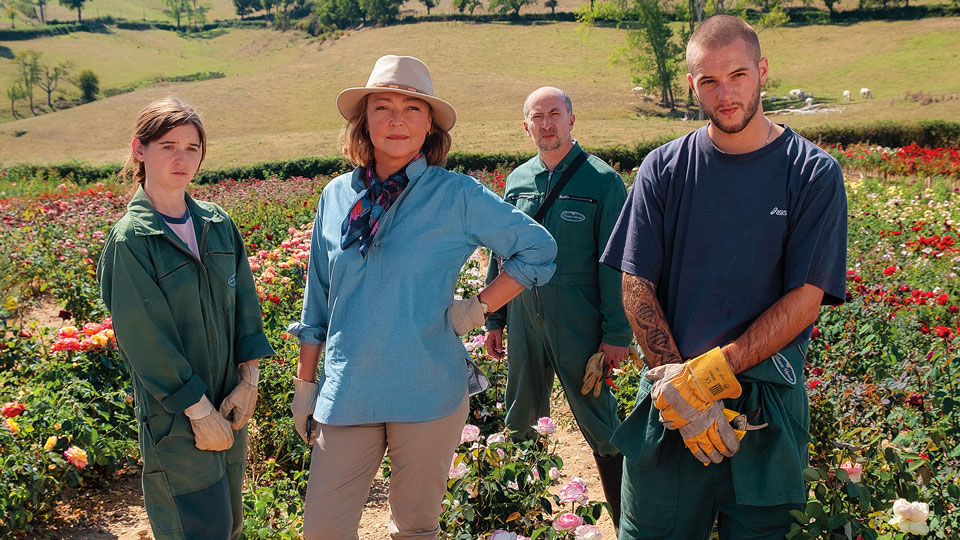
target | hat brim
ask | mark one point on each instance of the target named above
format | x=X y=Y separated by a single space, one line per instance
x=443 y=113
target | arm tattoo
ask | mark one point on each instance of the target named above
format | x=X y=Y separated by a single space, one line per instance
x=648 y=322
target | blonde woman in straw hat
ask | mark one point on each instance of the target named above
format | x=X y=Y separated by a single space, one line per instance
x=389 y=240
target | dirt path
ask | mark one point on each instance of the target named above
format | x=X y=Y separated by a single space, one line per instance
x=117 y=513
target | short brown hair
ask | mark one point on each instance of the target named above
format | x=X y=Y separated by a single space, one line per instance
x=357 y=147
x=153 y=122
x=720 y=31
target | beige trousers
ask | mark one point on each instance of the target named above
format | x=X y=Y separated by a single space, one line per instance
x=346 y=458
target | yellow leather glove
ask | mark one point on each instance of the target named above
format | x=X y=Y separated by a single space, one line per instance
x=682 y=391
x=710 y=436
x=238 y=406
x=593 y=375
x=210 y=430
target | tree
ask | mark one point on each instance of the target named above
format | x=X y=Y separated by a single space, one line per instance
x=429 y=4
x=504 y=6
x=339 y=13
x=380 y=11
x=74 y=4
x=40 y=4
x=652 y=51
x=469 y=5
x=89 y=84
x=552 y=4
x=246 y=6
x=176 y=9
x=29 y=63
x=197 y=12
x=15 y=93
x=50 y=78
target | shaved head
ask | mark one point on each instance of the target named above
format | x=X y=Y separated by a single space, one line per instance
x=546 y=91
x=717 y=32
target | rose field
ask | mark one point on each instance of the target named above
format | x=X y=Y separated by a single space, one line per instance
x=882 y=373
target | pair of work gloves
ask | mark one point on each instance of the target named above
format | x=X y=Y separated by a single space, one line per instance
x=689 y=397
x=465 y=315
x=213 y=430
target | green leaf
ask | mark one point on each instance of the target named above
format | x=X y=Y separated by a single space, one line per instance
x=853 y=490
x=815 y=510
x=800 y=516
x=812 y=475
x=837 y=520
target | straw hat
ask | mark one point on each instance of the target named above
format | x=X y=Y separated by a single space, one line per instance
x=404 y=75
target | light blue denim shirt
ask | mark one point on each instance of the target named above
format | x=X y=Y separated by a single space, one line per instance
x=391 y=353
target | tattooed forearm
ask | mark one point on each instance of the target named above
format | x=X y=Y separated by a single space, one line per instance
x=648 y=322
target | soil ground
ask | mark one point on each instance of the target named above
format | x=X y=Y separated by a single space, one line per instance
x=116 y=513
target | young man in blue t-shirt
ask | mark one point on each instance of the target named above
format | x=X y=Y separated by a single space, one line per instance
x=732 y=238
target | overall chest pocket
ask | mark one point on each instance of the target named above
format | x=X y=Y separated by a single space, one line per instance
x=571 y=221
x=178 y=280
x=222 y=269
x=526 y=202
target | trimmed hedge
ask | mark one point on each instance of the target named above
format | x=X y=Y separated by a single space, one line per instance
x=102 y=24
x=930 y=134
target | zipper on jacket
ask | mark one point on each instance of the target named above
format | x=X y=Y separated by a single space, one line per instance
x=576 y=198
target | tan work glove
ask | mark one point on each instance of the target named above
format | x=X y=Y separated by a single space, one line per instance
x=634 y=356
x=210 y=430
x=710 y=436
x=682 y=391
x=594 y=374
x=303 y=404
x=238 y=406
x=465 y=315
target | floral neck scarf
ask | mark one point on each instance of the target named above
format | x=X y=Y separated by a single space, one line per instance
x=370 y=205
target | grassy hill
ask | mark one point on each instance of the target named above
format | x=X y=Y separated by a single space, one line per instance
x=277 y=100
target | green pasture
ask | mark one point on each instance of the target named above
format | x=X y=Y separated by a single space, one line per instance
x=277 y=100
x=134 y=10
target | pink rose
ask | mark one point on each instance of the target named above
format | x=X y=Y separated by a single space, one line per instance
x=554 y=473
x=587 y=532
x=76 y=456
x=501 y=534
x=457 y=470
x=497 y=438
x=854 y=471
x=545 y=426
x=574 y=491
x=470 y=433
x=567 y=522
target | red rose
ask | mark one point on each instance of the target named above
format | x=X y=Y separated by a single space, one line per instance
x=11 y=409
x=889 y=270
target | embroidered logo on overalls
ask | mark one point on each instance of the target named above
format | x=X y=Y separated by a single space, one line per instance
x=232 y=280
x=571 y=216
x=784 y=367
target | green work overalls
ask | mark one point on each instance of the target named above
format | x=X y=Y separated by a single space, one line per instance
x=664 y=494
x=183 y=325
x=555 y=328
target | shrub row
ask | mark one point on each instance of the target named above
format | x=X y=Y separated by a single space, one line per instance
x=101 y=24
x=930 y=134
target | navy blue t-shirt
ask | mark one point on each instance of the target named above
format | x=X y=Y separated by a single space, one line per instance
x=724 y=236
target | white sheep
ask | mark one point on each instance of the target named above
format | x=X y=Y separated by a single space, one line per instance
x=772 y=98
x=809 y=101
x=796 y=93
x=763 y=95
x=866 y=93
x=846 y=95
x=638 y=91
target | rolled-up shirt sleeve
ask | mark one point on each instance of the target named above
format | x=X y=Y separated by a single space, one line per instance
x=312 y=327
x=527 y=248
